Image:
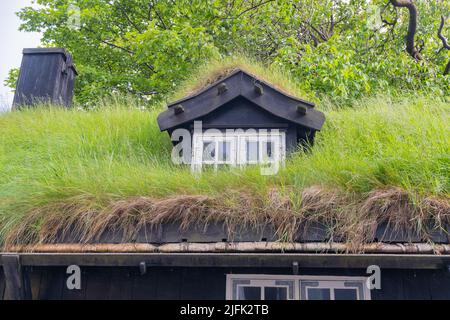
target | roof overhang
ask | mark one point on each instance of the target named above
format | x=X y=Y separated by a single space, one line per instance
x=257 y=254
x=269 y=260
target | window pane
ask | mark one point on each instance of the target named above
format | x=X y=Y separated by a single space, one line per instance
x=252 y=151
x=249 y=293
x=318 y=294
x=209 y=151
x=275 y=293
x=224 y=151
x=345 y=294
x=267 y=150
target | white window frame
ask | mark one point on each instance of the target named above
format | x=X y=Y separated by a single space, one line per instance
x=198 y=150
x=263 y=283
x=238 y=147
x=324 y=282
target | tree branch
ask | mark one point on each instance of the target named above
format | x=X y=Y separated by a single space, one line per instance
x=116 y=46
x=412 y=26
x=161 y=20
x=253 y=7
x=384 y=20
x=447 y=69
x=125 y=14
x=445 y=44
x=444 y=40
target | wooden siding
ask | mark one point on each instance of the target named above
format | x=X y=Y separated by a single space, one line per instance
x=244 y=114
x=2 y=283
x=209 y=283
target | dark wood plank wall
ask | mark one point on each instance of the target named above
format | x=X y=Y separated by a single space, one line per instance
x=46 y=68
x=45 y=75
x=209 y=283
x=2 y=283
x=241 y=113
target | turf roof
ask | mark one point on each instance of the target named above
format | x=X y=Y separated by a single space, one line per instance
x=218 y=69
x=382 y=161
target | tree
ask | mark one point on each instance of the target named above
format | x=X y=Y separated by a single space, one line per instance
x=147 y=47
x=143 y=47
x=411 y=48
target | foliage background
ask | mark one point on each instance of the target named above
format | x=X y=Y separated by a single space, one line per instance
x=335 y=49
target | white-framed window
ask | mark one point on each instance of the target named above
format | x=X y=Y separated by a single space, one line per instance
x=238 y=148
x=286 y=287
x=262 y=289
x=217 y=150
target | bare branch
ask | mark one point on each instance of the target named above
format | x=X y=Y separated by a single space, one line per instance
x=322 y=32
x=253 y=7
x=444 y=40
x=447 y=69
x=412 y=27
x=331 y=24
x=445 y=44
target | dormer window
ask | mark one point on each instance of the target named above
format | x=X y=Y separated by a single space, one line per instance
x=214 y=150
x=248 y=106
x=238 y=148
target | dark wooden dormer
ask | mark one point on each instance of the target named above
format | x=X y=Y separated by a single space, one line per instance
x=243 y=101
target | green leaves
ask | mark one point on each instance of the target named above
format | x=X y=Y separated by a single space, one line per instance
x=13 y=75
x=172 y=52
x=148 y=47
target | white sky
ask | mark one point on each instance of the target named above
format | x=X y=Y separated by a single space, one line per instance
x=13 y=41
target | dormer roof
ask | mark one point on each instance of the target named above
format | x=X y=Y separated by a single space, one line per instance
x=241 y=84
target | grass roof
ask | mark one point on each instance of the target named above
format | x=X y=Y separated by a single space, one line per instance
x=215 y=70
x=86 y=171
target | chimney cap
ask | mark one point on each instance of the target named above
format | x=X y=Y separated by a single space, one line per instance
x=44 y=51
x=67 y=56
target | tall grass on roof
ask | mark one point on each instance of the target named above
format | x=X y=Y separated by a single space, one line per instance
x=215 y=69
x=72 y=169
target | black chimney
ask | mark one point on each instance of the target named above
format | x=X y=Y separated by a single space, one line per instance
x=46 y=75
